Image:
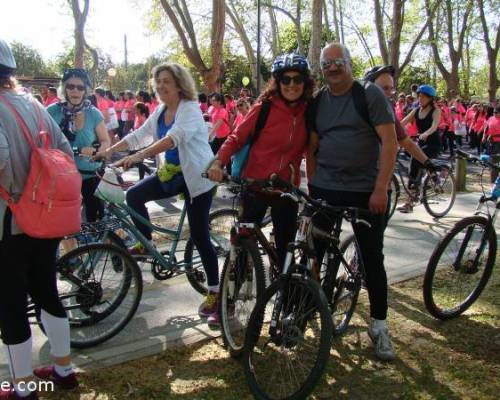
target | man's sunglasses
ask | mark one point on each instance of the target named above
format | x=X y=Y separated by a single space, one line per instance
x=297 y=79
x=338 y=62
x=80 y=88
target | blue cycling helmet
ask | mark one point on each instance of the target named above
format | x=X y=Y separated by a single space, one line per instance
x=289 y=62
x=427 y=89
x=77 y=73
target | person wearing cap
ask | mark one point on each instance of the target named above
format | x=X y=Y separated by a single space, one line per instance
x=383 y=77
x=426 y=117
x=28 y=264
x=350 y=164
x=84 y=127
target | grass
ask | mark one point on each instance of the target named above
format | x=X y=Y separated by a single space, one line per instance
x=457 y=359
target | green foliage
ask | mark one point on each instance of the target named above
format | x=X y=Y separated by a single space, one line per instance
x=29 y=61
x=413 y=74
x=288 y=37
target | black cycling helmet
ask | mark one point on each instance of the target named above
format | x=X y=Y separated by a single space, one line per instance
x=289 y=62
x=374 y=72
x=77 y=73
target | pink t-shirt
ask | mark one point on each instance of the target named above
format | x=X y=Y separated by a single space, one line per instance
x=478 y=124
x=203 y=107
x=139 y=121
x=238 y=119
x=469 y=116
x=129 y=105
x=445 y=118
x=220 y=113
x=152 y=106
x=411 y=129
x=493 y=128
x=400 y=110
x=103 y=105
x=119 y=106
x=50 y=100
x=230 y=106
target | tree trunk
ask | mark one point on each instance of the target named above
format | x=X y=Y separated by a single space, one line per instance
x=275 y=47
x=336 y=20
x=316 y=33
x=240 y=29
x=80 y=17
x=492 y=52
x=179 y=16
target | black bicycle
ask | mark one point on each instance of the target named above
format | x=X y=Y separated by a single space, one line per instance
x=100 y=287
x=290 y=330
x=461 y=264
x=436 y=191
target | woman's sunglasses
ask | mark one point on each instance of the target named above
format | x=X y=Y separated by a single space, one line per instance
x=80 y=88
x=297 y=79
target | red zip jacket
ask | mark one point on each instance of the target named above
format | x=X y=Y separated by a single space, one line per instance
x=281 y=142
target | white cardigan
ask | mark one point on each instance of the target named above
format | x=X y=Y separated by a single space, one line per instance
x=189 y=134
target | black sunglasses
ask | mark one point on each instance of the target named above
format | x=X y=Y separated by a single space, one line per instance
x=297 y=79
x=80 y=88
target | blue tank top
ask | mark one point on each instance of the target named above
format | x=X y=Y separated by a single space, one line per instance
x=172 y=155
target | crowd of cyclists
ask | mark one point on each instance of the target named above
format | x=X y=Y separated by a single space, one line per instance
x=348 y=132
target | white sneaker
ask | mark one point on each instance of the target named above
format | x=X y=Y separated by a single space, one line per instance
x=383 y=345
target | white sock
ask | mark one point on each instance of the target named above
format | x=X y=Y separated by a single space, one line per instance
x=20 y=364
x=22 y=390
x=19 y=359
x=213 y=289
x=378 y=325
x=63 y=370
x=58 y=334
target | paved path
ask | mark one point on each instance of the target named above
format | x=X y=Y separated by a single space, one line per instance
x=167 y=315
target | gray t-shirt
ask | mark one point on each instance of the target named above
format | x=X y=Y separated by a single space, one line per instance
x=349 y=147
x=15 y=151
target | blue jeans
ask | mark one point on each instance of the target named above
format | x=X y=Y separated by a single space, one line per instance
x=198 y=209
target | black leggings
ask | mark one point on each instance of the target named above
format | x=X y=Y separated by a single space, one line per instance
x=370 y=240
x=94 y=207
x=283 y=213
x=430 y=151
x=27 y=268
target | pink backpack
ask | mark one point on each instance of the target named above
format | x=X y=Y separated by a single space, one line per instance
x=49 y=206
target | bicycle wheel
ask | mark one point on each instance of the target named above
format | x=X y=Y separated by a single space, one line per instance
x=287 y=360
x=394 y=196
x=99 y=298
x=341 y=287
x=460 y=267
x=221 y=222
x=242 y=283
x=439 y=193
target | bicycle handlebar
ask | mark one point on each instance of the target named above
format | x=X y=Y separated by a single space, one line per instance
x=474 y=159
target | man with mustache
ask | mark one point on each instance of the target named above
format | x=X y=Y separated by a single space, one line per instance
x=350 y=163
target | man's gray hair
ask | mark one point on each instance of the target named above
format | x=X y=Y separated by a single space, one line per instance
x=345 y=51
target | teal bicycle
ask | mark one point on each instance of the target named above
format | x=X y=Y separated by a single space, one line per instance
x=117 y=229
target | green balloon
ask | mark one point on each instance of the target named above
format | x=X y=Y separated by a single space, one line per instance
x=245 y=80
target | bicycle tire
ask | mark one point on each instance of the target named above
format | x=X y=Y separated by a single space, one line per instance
x=220 y=222
x=301 y=293
x=241 y=285
x=396 y=192
x=440 y=302
x=429 y=195
x=341 y=287
x=96 y=312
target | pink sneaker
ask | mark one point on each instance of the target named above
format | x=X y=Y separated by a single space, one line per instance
x=49 y=374
x=10 y=394
x=213 y=320
x=209 y=306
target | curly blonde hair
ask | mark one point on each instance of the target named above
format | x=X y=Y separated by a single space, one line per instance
x=182 y=77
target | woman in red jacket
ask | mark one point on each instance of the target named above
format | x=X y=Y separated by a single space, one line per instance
x=279 y=147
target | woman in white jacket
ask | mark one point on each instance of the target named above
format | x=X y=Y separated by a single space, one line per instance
x=177 y=135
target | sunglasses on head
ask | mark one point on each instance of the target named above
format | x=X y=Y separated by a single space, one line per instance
x=297 y=79
x=338 y=62
x=80 y=88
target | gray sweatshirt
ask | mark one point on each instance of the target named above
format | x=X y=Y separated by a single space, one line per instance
x=15 y=151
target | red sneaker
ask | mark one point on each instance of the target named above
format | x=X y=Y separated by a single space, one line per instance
x=49 y=374
x=10 y=394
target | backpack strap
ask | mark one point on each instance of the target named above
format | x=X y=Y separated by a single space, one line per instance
x=261 y=120
x=21 y=122
x=360 y=102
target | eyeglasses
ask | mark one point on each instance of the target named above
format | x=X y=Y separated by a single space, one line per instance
x=80 y=88
x=297 y=79
x=338 y=62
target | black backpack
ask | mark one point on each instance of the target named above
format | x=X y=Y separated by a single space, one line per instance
x=360 y=104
